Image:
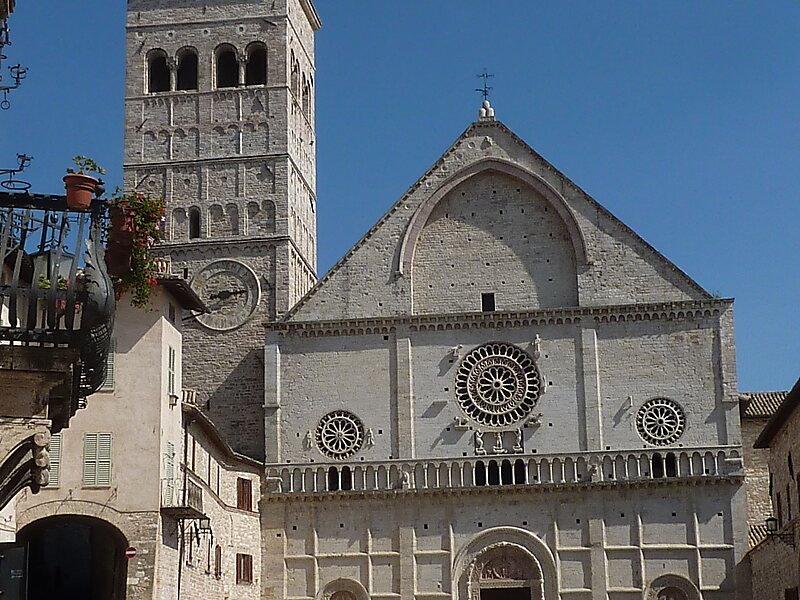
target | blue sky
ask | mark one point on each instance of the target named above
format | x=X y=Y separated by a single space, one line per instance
x=682 y=118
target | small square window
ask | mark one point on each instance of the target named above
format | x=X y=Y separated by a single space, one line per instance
x=487 y=302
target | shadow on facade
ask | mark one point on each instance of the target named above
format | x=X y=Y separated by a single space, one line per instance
x=75 y=558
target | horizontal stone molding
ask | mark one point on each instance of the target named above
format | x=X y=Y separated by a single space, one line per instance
x=495 y=472
x=669 y=311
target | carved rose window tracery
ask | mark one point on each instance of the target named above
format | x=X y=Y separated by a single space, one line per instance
x=339 y=434
x=497 y=385
x=660 y=421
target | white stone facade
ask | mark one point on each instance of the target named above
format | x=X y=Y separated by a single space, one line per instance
x=582 y=427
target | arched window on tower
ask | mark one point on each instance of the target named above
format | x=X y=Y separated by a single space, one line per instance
x=295 y=78
x=256 y=70
x=157 y=72
x=194 y=223
x=187 y=69
x=227 y=67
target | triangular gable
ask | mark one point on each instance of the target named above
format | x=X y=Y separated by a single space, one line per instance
x=619 y=266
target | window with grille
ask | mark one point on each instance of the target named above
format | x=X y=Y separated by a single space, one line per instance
x=244 y=568
x=171 y=371
x=244 y=494
x=97 y=459
x=108 y=382
x=55 y=460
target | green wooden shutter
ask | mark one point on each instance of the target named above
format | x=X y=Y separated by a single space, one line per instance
x=104 y=459
x=55 y=460
x=96 y=459
x=108 y=383
x=89 y=459
x=170 y=474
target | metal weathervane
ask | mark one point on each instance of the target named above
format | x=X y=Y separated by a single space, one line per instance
x=485 y=88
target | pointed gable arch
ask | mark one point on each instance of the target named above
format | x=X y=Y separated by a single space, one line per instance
x=416 y=225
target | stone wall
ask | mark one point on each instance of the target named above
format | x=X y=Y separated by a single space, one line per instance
x=756 y=465
x=610 y=541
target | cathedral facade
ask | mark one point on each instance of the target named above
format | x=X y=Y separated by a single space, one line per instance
x=500 y=392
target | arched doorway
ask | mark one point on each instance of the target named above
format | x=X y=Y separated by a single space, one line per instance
x=75 y=558
x=505 y=572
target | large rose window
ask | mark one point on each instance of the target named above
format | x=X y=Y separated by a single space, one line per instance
x=497 y=385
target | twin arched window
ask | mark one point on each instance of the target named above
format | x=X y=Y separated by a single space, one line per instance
x=226 y=68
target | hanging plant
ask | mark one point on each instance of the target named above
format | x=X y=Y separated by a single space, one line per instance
x=135 y=227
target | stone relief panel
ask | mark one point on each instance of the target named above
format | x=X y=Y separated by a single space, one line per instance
x=225 y=141
x=225 y=107
x=260 y=179
x=255 y=138
x=260 y=217
x=186 y=183
x=185 y=110
x=156 y=145
x=254 y=105
x=223 y=181
x=179 y=225
x=155 y=113
x=152 y=182
x=186 y=144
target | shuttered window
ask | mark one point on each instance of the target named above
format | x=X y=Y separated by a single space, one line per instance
x=244 y=494
x=169 y=491
x=55 y=460
x=108 y=382
x=244 y=568
x=171 y=371
x=96 y=459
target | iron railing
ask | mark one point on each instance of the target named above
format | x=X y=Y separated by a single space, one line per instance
x=54 y=287
x=181 y=498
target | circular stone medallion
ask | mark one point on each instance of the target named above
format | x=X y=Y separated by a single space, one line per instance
x=660 y=421
x=339 y=434
x=497 y=385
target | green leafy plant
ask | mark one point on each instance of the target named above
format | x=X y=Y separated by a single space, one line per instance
x=85 y=165
x=147 y=214
x=45 y=284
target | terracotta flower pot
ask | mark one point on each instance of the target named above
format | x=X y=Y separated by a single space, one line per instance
x=80 y=189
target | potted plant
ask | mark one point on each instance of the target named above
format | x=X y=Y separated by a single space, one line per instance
x=135 y=227
x=81 y=186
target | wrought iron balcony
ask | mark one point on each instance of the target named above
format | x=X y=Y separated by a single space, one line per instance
x=181 y=499
x=505 y=470
x=55 y=293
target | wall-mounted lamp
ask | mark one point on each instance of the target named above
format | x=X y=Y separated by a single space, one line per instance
x=787 y=537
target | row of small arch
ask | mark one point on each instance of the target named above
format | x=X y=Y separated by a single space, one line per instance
x=222 y=221
x=487 y=472
x=226 y=72
x=250 y=138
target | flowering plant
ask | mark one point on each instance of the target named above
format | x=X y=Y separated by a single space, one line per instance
x=147 y=215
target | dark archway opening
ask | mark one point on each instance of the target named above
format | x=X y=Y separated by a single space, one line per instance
x=506 y=593
x=256 y=70
x=158 y=76
x=194 y=223
x=75 y=558
x=227 y=69
x=187 y=70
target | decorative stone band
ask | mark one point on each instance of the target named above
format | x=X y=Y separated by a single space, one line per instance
x=666 y=311
x=519 y=470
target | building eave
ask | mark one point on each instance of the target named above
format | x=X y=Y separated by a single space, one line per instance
x=780 y=418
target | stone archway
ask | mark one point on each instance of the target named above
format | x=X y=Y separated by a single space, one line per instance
x=505 y=571
x=73 y=557
x=343 y=588
x=672 y=587
x=505 y=563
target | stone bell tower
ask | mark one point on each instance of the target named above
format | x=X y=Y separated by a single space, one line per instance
x=219 y=120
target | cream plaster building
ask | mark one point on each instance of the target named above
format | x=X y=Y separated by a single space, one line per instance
x=140 y=469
